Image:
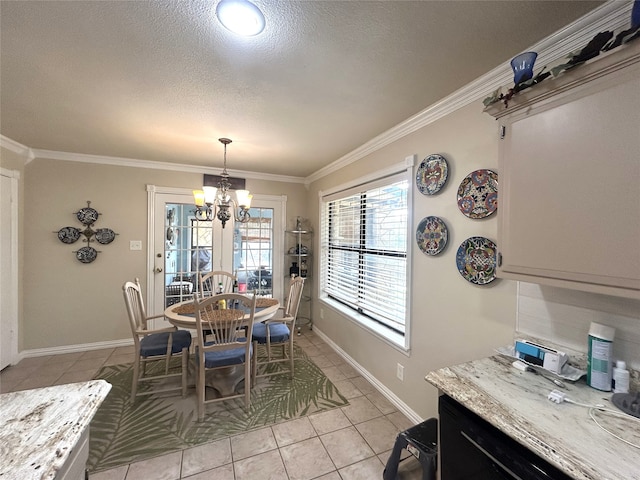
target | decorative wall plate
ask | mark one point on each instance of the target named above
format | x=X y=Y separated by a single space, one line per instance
x=87 y=215
x=478 y=194
x=68 y=234
x=87 y=254
x=476 y=260
x=105 y=236
x=432 y=174
x=432 y=235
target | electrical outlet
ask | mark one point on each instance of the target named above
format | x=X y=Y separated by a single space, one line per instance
x=400 y=372
x=135 y=245
x=322 y=313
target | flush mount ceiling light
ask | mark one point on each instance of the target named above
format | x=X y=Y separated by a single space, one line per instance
x=240 y=16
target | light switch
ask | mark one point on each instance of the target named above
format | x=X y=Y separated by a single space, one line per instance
x=135 y=245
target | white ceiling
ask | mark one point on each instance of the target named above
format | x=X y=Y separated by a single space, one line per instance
x=162 y=80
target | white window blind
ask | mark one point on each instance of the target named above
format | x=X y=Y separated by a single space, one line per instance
x=364 y=238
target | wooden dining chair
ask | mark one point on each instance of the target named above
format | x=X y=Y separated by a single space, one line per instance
x=154 y=346
x=222 y=342
x=278 y=332
x=209 y=282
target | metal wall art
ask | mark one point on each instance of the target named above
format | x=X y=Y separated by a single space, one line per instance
x=87 y=216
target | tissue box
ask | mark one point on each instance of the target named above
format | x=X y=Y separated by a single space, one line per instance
x=545 y=357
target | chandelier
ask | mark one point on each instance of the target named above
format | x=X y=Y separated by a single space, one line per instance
x=216 y=202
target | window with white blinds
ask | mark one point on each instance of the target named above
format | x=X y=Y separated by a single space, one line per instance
x=364 y=239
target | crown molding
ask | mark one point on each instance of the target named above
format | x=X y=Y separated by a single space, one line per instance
x=15 y=147
x=612 y=15
x=174 y=167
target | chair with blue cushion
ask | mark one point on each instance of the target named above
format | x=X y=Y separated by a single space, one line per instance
x=154 y=346
x=222 y=342
x=278 y=332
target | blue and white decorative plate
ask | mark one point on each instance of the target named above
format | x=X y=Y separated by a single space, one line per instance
x=68 y=234
x=432 y=235
x=87 y=254
x=476 y=260
x=432 y=174
x=87 y=215
x=478 y=194
x=105 y=236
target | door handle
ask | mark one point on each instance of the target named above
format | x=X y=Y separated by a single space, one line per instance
x=158 y=270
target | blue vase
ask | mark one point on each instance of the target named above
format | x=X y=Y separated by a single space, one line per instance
x=523 y=66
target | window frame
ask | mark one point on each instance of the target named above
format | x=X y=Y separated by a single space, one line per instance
x=404 y=171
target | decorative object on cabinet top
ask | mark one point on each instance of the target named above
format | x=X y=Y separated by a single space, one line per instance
x=432 y=174
x=476 y=260
x=522 y=66
x=602 y=42
x=478 y=194
x=432 y=235
x=87 y=216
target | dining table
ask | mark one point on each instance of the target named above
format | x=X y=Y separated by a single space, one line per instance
x=223 y=380
x=182 y=314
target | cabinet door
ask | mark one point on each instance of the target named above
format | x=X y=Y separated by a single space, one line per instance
x=569 y=211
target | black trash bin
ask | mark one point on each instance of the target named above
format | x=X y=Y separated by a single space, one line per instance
x=422 y=442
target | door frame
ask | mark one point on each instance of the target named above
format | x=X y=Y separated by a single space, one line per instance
x=278 y=241
x=10 y=293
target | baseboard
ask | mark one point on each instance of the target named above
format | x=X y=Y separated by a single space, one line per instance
x=392 y=397
x=82 y=347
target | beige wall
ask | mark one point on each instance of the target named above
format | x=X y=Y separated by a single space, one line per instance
x=70 y=303
x=452 y=321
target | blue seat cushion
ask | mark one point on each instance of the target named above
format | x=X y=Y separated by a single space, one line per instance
x=225 y=358
x=279 y=332
x=156 y=343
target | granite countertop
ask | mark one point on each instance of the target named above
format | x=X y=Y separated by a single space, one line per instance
x=516 y=403
x=39 y=428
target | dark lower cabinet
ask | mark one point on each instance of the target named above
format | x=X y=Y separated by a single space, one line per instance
x=473 y=449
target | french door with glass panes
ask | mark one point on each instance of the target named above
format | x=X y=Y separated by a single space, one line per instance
x=185 y=247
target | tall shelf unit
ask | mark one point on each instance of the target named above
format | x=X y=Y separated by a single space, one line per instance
x=298 y=255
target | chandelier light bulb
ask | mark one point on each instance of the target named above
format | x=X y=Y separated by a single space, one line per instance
x=244 y=199
x=209 y=194
x=198 y=198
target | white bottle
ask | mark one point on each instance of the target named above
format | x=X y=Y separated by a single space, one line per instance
x=620 y=381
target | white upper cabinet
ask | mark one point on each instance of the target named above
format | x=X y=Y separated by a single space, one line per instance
x=569 y=166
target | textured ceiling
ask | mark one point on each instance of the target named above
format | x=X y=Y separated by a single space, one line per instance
x=162 y=80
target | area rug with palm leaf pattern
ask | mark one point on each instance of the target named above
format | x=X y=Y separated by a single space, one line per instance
x=122 y=432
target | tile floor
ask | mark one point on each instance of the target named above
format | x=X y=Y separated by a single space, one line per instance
x=348 y=443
